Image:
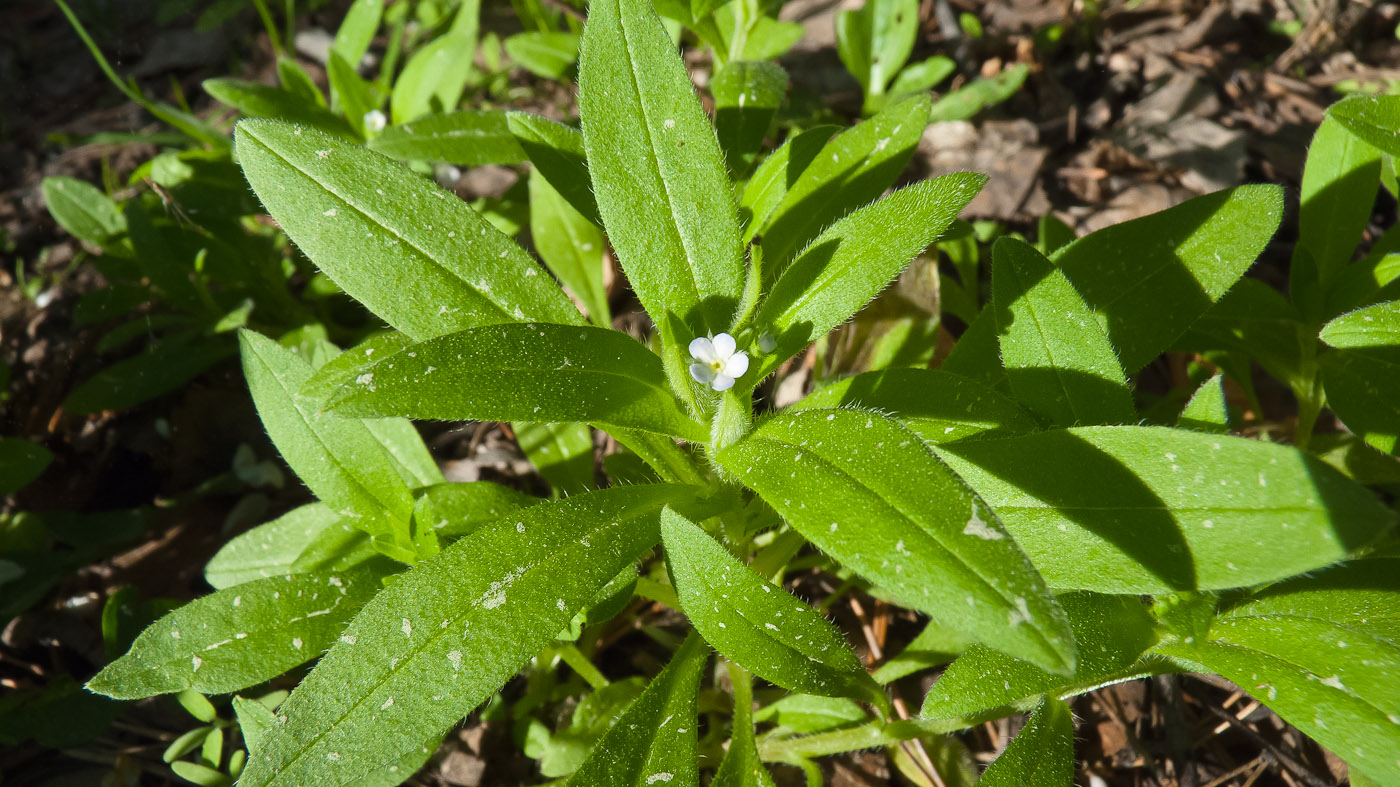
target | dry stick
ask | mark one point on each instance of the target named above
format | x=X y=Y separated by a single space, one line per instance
x=1297 y=768
x=1257 y=762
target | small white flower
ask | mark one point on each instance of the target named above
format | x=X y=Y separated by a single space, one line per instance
x=766 y=342
x=716 y=362
x=375 y=121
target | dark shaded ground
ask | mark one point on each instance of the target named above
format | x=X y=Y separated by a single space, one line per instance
x=1129 y=113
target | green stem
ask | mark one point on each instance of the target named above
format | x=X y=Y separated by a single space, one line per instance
x=661 y=453
x=733 y=420
x=1307 y=387
x=580 y=664
x=271 y=26
x=866 y=736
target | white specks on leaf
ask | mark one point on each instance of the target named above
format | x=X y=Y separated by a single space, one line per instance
x=976 y=526
x=407 y=628
x=195 y=663
x=455 y=656
x=662 y=776
x=348 y=639
x=296 y=642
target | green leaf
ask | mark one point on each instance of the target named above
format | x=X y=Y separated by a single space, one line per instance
x=202 y=775
x=938 y=406
x=295 y=79
x=1150 y=278
x=264 y=101
x=1310 y=653
x=451 y=631
x=875 y=42
x=868 y=492
x=455 y=510
x=762 y=628
x=657 y=171
x=747 y=98
x=853 y=260
x=196 y=705
x=654 y=742
x=965 y=102
x=805 y=713
x=1340 y=181
x=356 y=31
x=352 y=93
x=1142 y=509
x=338 y=459
x=1363 y=389
x=520 y=372
x=1207 y=411
x=408 y=250
x=852 y=169
x=1041 y=754
x=469 y=138
x=1112 y=633
x=162 y=367
x=1372 y=118
x=86 y=212
x=556 y=151
x=563 y=453
x=1058 y=360
x=777 y=173
x=21 y=461
x=923 y=75
x=571 y=245
x=272 y=548
x=239 y=636
x=977 y=354
x=405 y=447
x=935 y=646
x=435 y=76
x=255 y=722
x=547 y=55
x=1373 y=326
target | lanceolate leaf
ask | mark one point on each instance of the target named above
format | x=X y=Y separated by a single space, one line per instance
x=1042 y=753
x=938 y=406
x=1372 y=118
x=853 y=260
x=87 y=213
x=656 y=167
x=1315 y=657
x=571 y=245
x=747 y=97
x=1373 y=326
x=742 y=766
x=264 y=101
x=1207 y=411
x=852 y=169
x=410 y=251
x=777 y=173
x=272 y=548
x=435 y=644
x=1150 y=278
x=1057 y=358
x=356 y=32
x=756 y=625
x=435 y=76
x=654 y=741
x=867 y=491
x=239 y=636
x=563 y=453
x=401 y=441
x=1340 y=181
x=470 y=138
x=556 y=151
x=1363 y=389
x=1112 y=633
x=523 y=372
x=337 y=458
x=1140 y=509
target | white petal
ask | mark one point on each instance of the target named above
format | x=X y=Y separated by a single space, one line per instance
x=737 y=364
x=703 y=350
x=702 y=372
x=723 y=382
x=724 y=345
